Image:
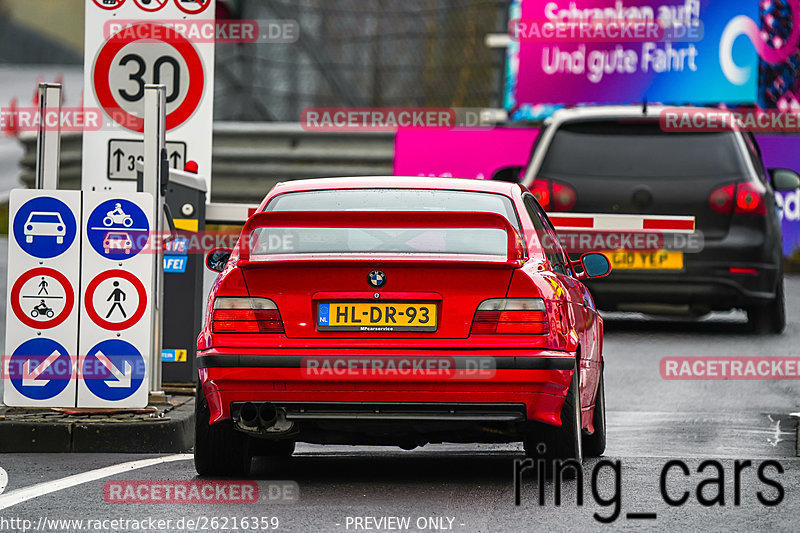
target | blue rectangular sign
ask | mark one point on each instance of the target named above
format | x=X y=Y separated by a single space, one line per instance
x=175 y=264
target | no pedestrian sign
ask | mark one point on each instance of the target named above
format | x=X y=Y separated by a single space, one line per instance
x=116 y=300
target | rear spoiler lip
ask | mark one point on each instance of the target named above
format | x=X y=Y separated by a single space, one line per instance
x=516 y=254
x=493 y=261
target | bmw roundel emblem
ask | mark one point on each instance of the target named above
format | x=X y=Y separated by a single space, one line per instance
x=376 y=279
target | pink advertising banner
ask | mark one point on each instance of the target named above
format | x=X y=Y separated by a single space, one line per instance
x=461 y=153
x=479 y=153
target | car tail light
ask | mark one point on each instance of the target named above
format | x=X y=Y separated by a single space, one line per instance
x=745 y=198
x=512 y=317
x=541 y=191
x=721 y=200
x=246 y=315
x=750 y=199
x=747 y=271
x=553 y=196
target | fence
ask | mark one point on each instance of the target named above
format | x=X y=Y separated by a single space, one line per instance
x=363 y=53
x=250 y=157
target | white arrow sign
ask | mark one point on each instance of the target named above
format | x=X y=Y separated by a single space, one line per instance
x=29 y=378
x=3 y=480
x=122 y=379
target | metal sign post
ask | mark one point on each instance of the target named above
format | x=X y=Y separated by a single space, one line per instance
x=48 y=142
x=155 y=105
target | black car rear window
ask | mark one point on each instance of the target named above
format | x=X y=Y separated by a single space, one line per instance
x=395 y=200
x=640 y=150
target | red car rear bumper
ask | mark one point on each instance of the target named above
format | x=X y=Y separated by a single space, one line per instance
x=537 y=379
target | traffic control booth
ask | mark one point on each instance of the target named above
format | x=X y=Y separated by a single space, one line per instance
x=184 y=261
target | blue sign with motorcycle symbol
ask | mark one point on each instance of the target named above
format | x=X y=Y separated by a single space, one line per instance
x=118 y=229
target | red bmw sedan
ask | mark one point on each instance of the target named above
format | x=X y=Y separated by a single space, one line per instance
x=398 y=311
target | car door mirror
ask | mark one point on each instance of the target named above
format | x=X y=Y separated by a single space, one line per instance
x=218 y=258
x=595 y=265
x=784 y=179
x=510 y=174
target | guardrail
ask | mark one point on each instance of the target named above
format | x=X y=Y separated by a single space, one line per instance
x=250 y=157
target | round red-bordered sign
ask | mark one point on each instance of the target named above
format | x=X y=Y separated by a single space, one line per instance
x=159 y=4
x=198 y=6
x=69 y=298
x=88 y=300
x=148 y=32
x=99 y=3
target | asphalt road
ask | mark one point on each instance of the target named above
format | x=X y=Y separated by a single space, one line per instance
x=470 y=488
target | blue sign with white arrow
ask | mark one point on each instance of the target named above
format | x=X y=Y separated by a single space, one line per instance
x=118 y=229
x=44 y=227
x=40 y=369
x=113 y=370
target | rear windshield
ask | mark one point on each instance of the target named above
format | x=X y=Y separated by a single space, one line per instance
x=395 y=200
x=469 y=241
x=640 y=150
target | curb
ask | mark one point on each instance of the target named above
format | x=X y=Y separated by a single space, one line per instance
x=44 y=431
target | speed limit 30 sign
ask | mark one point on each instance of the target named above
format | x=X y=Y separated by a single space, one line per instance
x=120 y=76
x=131 y=46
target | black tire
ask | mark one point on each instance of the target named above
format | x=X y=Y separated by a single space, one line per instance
x=219 y=450
x=769 y=318
x=595 y=444
x=273 y=448
x=564 y=442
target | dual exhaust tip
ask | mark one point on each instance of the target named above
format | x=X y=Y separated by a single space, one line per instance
x=262 y=416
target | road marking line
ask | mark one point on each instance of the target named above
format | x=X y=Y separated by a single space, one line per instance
x=40 y=489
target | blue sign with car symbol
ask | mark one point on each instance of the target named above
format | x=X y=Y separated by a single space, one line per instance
x=44 y=227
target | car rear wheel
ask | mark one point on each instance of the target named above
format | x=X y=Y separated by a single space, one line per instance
x=771 y=317
x=564 y=442
x=219 y=450
x=595 y=444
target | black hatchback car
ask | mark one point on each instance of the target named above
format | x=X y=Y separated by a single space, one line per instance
x=619 y=160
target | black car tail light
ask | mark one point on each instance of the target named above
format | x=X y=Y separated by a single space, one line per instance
x=744 y=198
x=541 y=191
x=750 y=199
x=721 y=200
x=554 y=196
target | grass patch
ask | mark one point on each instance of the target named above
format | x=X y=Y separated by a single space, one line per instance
x=4 y=219
x=792 y=263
